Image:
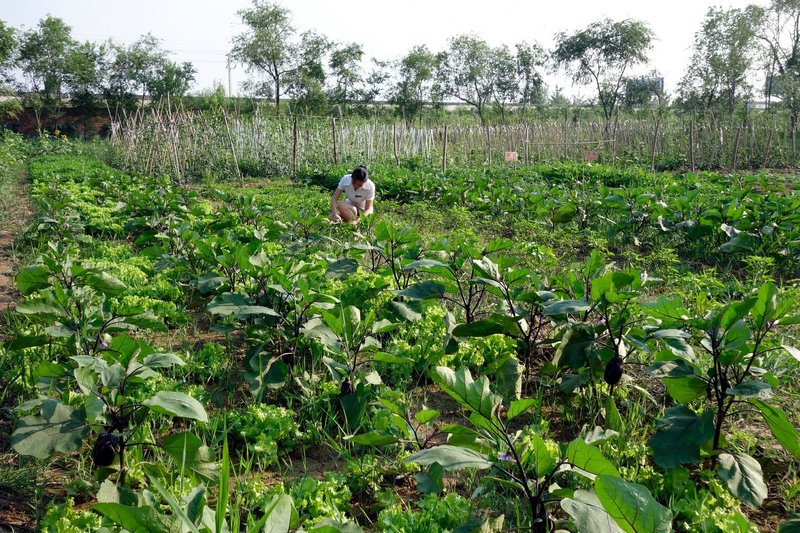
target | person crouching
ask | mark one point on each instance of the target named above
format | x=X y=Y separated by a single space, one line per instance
x=359 y=193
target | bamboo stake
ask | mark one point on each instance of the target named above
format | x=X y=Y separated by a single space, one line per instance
x=444 y=150
x=233 y=148
x=171 y=137
x=468 y=147
x=394 y=144
x=333 y=136
x=614 y=138
x=736 y=148
x=167 y=139
x=653 y=149
x=527 y=140
x=294 y=147
x=766 y=151
x=488 y=146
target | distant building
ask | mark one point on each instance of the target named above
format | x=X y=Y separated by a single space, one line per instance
x=762 y=105
x=652 y=82
x=641 y=90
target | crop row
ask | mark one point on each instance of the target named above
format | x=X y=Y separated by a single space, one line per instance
x=343 y=336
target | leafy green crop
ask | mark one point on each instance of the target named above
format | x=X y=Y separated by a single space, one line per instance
x=435 y=514
x=266 y=431
x=622 y=324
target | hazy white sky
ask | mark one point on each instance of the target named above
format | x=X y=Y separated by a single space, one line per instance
x=200 y=30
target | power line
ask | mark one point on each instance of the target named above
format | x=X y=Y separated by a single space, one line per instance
x=201 y=52
x=166 y=40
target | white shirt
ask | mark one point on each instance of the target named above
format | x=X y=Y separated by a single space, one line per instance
x=357 y=197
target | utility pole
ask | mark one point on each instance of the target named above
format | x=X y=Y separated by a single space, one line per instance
x=229 y=67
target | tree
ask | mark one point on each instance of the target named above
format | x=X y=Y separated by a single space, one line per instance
x=43 y=55
x=530 y=59
x=267 y=46
x=345 y=65
x=780 y=33
x=306 y=84
x=119 y=85
x=464 y=72
x=365 y=94
x=505 y=82
x=640 y=91
x=601 y=54
x=412 y=90
x=8 y=46
x=143 y=59
x=211 y=98
x=557 y=98
x=143 y=68
x=722 y=58
x=86 y=64
x=170 y=78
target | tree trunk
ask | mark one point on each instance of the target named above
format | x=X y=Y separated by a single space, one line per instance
x=731 y=101
x=277 y=96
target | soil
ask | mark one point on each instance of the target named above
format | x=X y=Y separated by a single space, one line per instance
x=15 y=517
x=15 y=509
x=7 y=268
x=776 y=465
x=772 y=512
x=16 y=512
x=14 y=223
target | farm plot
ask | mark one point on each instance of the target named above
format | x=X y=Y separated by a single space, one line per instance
x=555 y=347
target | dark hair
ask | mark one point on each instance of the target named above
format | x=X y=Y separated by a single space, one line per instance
x=359 y=174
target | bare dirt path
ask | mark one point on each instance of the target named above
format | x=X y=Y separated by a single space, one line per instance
x=15 y=213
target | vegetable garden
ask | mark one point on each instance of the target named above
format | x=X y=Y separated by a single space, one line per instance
x=541 y=347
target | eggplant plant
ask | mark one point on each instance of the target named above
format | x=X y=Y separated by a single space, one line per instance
x=391 y=249
x=292 y=296
x=294 y=293
x=601 y=326
x=528 y=465
x=609 y=330
x=632 y=209
x=456 y=271
x=349 y=340
x=114 y=394
x=723 y=379
x=227 y=257
x=519 y=313
x=761 y=224
x=417 y=431
x=72 y=302
x=161 y=511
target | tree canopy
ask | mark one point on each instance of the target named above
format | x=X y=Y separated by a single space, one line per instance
x=312 y=74
x=722 y=57
x=601 y=54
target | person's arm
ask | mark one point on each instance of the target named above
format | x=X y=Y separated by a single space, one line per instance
x=335 y=205
x=367 y=207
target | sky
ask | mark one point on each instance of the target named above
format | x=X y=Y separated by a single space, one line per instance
x=200 y=31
